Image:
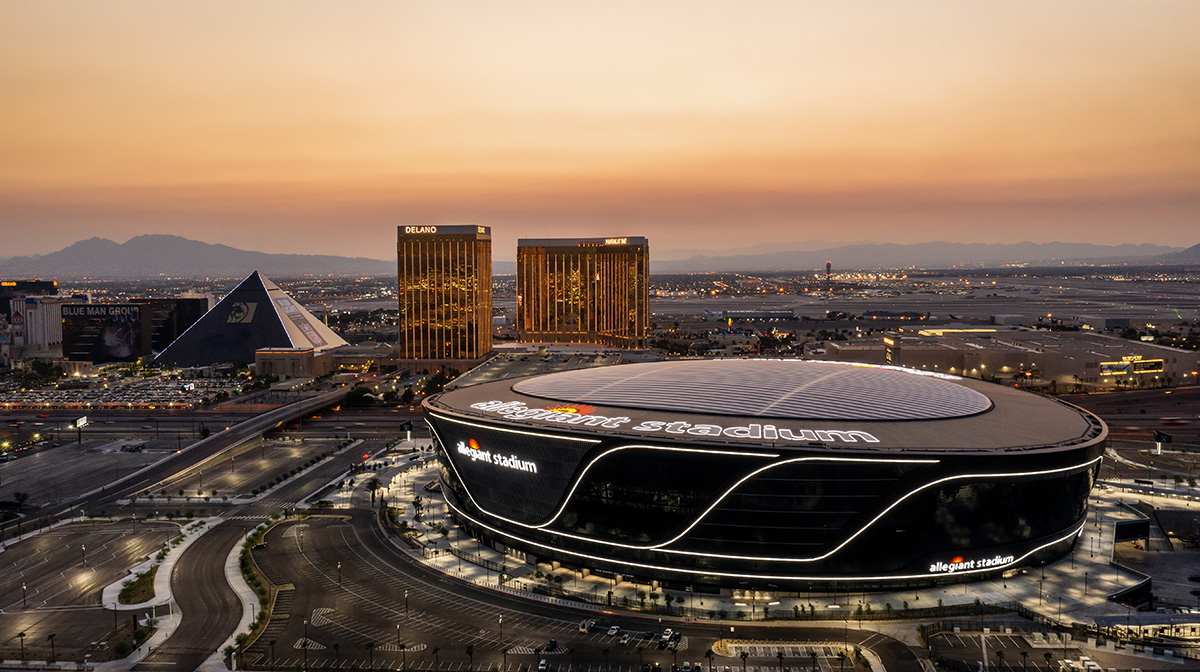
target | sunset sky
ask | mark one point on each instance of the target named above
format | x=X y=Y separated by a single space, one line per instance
x=318 y=127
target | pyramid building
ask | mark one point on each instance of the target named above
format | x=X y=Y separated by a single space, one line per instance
x=256 y=314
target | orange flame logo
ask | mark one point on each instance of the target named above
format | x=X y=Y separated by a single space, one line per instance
x=581 y=409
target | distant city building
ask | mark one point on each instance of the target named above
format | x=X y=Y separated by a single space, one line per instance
x=445 y=277
x=14 y=288
x=257 y=314
x=36 y=326
x=1062 y=360
x=292 y=362
x=583 y=290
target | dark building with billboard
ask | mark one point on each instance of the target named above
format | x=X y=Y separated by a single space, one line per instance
x=11 y=288
x=445 y=275
x=104 y=333
x=583 y=290
x=169 y=318
x=759 y=473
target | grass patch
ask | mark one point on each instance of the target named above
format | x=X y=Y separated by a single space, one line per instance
x=138 y=589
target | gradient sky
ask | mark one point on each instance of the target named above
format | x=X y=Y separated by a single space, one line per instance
x=310 y=127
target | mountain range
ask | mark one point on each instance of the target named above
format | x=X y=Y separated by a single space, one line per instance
x=156 y=254
x=152 y=255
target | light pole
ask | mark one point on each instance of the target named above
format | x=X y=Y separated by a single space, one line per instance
x=83 y=552
x=339 y=573
x=305 y=644
x=406 y=603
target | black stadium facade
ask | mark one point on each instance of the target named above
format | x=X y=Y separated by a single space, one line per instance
x=768 y=474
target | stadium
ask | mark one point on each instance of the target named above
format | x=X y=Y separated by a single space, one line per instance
x=768 y=474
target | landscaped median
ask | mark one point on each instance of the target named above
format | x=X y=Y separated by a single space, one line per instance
x=256 y=593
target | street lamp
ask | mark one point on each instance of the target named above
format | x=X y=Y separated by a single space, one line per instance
x=83 y=552
x=406 y=603
x=22 y=594
x=339 y=573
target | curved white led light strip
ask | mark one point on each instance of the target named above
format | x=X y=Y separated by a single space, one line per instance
x=578 y=479
x=699 y=519
x=870 y=522
x=734 y=575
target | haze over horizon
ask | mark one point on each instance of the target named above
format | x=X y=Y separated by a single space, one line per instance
x=295 y=127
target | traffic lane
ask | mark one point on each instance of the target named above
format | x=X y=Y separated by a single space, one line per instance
x=72 y=564
x=209 y=607
x=369 y=605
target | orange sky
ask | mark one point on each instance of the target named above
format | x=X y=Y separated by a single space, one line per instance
x=317 y=127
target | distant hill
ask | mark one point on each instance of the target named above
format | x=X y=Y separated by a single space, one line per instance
x=153 y=255
x=1188 y=257
x=935 y=255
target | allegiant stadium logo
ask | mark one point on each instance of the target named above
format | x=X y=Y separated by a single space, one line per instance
x=958 y=564
x=571 y=414
x=471 y=450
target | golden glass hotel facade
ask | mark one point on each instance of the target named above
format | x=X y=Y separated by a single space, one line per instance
x=583 y=290
x=445 y=275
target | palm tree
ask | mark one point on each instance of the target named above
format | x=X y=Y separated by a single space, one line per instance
x=709 y=655
x=779 y=655
x=999 y=659
x=1048 y=655
x=606 y=660
x=336 y=646
x=1024 y=660
x=404 y=656
x=813 y=654
x=371 y=654
x=842 y=657
x=373 y=484
x=435 y=655
x=744 y=655
x=470 y=656
x=21 y=636
x=51 y=638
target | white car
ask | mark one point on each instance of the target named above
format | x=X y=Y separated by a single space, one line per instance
x=614 y=630
x=624 y=639
x=666 y=635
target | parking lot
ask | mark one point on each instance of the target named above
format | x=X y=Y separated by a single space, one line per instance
x=146 y=393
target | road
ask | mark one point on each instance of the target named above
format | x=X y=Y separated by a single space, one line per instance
x=380 y=599
x=210 y=608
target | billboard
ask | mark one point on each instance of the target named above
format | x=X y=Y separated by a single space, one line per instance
x=1131 y=365
x=101 y=333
